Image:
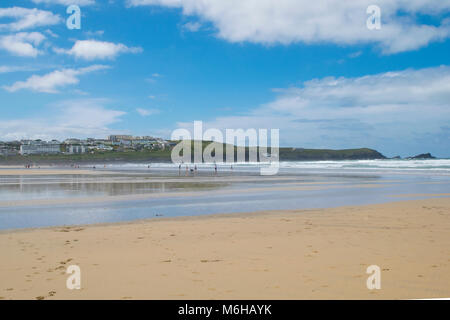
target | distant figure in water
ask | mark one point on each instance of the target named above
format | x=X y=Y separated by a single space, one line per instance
x=215 y=168
x=179 y=169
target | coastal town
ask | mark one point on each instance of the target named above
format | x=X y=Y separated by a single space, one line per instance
x=119 y=143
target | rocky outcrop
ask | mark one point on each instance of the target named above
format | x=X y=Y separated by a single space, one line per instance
x=422 y=156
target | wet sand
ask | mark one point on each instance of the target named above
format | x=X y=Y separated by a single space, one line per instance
x=297 y=254
x=119 y=198
x=20 y=171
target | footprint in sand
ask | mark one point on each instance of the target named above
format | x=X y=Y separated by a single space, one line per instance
x=64 y=262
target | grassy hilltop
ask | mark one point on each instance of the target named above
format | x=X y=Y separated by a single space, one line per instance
x=286 y=154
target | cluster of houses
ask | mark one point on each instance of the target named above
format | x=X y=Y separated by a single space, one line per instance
x=79 y=146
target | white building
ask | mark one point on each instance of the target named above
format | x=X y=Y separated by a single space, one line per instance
x=76 y=149
x=40 y=148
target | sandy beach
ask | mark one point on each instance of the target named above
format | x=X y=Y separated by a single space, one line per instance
x=299 y=254
x=44 y=170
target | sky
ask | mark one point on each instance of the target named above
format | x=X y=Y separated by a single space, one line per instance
x=312 y=69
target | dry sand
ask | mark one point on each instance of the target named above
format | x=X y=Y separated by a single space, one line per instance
x=312 y=254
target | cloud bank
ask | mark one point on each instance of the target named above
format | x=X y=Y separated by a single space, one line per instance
x=79 y=118
x=408 y=108
x=321 y=21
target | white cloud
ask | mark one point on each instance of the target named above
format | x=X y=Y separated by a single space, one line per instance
x=354 y=55
x=147 y=112
x=73 y=118
x=26 y=18
x=50 y=82
x=93 y=49
x=9 y=69
x=66 y=2
x=390 y=111
x=51 y=33
x=192 y=26
x=97 y=33
x=22 y=44
x=330 y=21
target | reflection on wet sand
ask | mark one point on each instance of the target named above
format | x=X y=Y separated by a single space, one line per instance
x=37 y=200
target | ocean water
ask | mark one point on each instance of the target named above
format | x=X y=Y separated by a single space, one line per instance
x=362 y=166
x=298 y=185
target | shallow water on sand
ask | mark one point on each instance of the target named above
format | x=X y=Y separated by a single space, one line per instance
x=167 y=192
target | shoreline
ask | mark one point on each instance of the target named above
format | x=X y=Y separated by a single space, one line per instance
x=290 y=254
x=226 y=215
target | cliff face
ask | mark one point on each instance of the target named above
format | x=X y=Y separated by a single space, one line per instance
x=291 y=154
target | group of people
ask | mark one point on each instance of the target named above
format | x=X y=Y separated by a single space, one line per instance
x=188 y=169
x=195 y=169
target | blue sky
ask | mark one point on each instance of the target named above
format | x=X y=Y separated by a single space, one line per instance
x=147 y=67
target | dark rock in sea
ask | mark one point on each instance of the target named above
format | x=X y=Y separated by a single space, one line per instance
x=422 y=156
